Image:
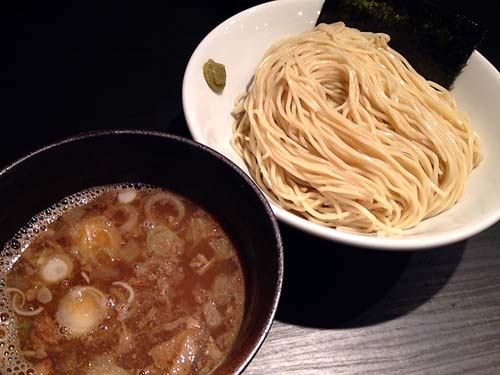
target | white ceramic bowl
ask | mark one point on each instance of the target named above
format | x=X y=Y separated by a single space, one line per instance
x=240 y=42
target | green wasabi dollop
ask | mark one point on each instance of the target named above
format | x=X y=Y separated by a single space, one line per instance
x=215 y=75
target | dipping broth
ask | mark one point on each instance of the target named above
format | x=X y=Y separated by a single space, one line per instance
x=119 y=280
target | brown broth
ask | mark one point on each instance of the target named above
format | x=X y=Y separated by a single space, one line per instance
x=143 y=287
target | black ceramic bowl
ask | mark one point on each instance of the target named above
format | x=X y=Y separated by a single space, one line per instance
x=44 y=177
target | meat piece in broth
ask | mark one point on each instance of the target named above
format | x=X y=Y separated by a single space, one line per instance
x=45 y=329
x=182 y=353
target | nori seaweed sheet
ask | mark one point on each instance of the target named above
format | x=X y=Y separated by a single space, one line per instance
x=435 y=42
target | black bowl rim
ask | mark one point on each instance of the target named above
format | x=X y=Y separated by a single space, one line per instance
x=226 y=161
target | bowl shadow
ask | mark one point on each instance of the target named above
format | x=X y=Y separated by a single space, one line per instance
x=330 y=285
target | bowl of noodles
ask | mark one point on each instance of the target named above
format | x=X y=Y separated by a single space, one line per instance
x=345 y=138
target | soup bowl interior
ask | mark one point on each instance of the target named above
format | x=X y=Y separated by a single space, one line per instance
x=46 y=176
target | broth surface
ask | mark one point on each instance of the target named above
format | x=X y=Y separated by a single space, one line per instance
x=126 y=280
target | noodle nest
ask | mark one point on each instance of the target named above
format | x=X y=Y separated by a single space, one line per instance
x=337 y=127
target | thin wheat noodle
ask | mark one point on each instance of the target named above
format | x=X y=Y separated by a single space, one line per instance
x=18 y=308
x=339 y=128
x=128 y=288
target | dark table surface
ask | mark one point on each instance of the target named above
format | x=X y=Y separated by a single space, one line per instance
x=75 y=66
